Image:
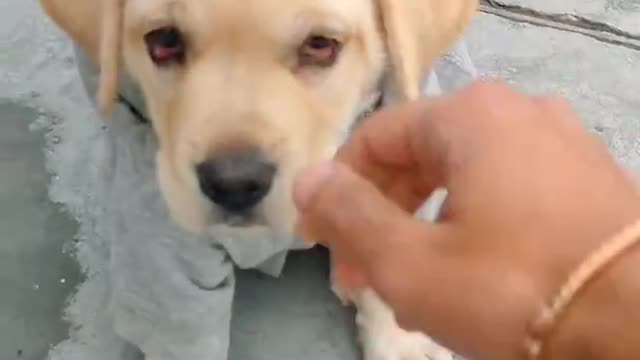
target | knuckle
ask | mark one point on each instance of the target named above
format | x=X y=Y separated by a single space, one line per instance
x=555 y=103
x=483 y=95
x=491 y=88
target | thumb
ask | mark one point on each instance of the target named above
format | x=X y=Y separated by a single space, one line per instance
x=348 y=214
x=374 y=243
x=336 y=205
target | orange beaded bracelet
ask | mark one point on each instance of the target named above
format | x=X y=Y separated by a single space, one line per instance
x=547 y=319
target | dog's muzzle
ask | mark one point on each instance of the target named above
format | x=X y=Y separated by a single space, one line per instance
x=236 y=181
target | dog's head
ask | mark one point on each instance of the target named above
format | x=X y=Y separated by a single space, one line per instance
x=243 y=94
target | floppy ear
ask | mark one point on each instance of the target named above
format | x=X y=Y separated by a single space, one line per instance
x=417 y=33
x=96 y=26
x=110 y=52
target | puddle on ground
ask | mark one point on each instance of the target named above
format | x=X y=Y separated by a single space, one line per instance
x=36 y=274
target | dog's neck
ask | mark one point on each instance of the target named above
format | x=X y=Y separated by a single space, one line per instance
x=133 y=109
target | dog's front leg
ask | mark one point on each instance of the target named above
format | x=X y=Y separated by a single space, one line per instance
x=380 y=335
x=383 y=339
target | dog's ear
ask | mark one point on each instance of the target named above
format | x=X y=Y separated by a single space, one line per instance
x=96 y=26
x=417 y=33
x=110 y=52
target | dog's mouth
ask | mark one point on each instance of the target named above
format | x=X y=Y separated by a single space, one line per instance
x=248 y=231
x=252 y=223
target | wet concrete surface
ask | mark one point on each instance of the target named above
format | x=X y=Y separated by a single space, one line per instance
x=35 y=274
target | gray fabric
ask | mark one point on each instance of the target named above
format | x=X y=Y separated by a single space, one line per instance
x=163 y=290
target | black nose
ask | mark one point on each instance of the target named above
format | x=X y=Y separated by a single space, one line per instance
x=236 y=181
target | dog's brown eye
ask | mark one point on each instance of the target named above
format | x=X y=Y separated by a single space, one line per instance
x=319 y=51
x=165 y=46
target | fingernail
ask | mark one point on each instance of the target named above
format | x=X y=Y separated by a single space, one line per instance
x=309 y=182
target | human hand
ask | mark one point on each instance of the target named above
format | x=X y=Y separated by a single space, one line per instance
x=531 y=193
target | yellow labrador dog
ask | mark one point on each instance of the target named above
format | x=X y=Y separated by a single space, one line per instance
x=243 y=94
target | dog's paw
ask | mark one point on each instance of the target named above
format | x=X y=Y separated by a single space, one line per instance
x=397 y=344
x=382 y=338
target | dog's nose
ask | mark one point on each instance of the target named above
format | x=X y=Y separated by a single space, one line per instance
x=236 y=181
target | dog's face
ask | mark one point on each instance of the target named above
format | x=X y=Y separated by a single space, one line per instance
x=242 y=96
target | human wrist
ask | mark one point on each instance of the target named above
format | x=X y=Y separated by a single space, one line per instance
x=594 y=322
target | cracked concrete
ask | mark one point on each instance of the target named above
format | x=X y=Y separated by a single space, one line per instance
x=621 y=15
x=571 y=22
x=600 y=79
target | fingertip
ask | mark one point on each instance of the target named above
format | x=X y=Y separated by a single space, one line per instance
x=309 y=182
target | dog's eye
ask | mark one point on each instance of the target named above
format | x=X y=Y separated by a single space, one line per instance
x=319 y=51
x=165 y=46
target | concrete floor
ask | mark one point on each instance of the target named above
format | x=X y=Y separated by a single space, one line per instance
x=35 y=274
x=596 y=67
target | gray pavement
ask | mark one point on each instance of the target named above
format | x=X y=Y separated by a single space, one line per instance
x=615 y=15
x=601 y=79
x=35 y=274
x=591 y=58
